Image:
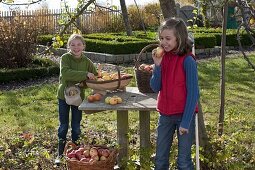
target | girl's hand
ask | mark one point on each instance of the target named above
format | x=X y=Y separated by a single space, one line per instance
x=91 y=76
x=183 y=131
x=157 y=60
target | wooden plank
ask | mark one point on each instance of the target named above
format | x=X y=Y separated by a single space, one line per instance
x=145 y=146
x=132 y=100
x=122 y=137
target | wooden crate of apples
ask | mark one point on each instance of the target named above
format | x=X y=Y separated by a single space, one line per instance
x=87 y=157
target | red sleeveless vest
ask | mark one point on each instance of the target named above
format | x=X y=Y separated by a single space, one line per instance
x=172 y=96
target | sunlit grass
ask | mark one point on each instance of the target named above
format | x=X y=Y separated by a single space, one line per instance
x=34 y=109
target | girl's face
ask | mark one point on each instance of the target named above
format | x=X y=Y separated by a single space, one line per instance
x=76 y=46
x=168 y=40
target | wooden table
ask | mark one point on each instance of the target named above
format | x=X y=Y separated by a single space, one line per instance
x=132 y=100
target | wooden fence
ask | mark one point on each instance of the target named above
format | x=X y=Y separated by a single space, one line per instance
x=50 y=20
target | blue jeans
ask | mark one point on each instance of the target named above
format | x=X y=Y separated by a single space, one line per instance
x=76 y=117
x=167 y=126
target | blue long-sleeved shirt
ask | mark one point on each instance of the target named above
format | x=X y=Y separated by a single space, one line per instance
x=190 y=68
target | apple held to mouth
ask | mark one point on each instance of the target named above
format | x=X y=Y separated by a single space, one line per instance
x=159 y=52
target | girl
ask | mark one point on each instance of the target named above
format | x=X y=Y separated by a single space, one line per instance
x=175 y=77
x=74 y=68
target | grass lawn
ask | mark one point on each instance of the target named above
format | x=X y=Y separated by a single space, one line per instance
x=29 y=121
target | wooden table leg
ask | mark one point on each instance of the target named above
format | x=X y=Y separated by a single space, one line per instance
x=122 y=136
x=144 y=119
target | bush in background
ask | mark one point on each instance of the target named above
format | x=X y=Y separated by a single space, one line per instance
x=18 y=37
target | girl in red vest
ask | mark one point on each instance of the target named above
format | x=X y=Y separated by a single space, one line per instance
x=175 y=77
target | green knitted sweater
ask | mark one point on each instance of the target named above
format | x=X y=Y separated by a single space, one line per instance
x=73 y=71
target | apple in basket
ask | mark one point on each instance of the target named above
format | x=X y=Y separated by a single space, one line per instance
x=148 y=68
x=95 y=157
x=85 y=159
x=103 y=158
x=86 y=153
x=105 y=153
x=93 y=151
x=71 y=154
x=79 y=155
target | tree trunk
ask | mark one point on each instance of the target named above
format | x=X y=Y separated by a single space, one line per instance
x=203 y=137
x=168 y=8
x=125 y=17
x=222 y=80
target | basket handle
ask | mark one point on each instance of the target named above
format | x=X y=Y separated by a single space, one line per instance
x=138 y=58
x=70 y=143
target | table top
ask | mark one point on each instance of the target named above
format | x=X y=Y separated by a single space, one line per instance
x=132 y=100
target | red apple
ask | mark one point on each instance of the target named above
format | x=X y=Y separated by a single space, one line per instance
x=85 y=159
x=105 y=153
x=147 y=68
x=100 y=150
x=71 y=154
x=78 y=154
x=81 y=149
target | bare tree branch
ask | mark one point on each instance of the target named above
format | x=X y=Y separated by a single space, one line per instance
x=23 y=3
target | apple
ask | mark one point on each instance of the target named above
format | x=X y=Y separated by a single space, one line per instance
x=119 y=100
x=85 y=159
x=81 y=149
x=147 y=68
x=113 y=101
x=97 y=96
x=86 y=153
x=141 y=67
x=71 y=154
x=91 y=98
x=159 y=52
x=78 y=154
x=95 y=157
x=107 y=100
x=93 y=151
x=102 y=158
x=100 y=151
x=105 y=153
x=87 y=147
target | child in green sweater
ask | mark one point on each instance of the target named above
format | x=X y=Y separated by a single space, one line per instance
x=74 y=68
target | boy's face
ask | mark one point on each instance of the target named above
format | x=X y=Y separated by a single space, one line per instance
x=168 y=40
x=76 y=46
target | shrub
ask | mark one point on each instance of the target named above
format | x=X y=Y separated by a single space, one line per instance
x=18 y=37
x=38 y=68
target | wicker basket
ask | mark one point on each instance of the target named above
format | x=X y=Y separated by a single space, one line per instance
x=143 y=77
x=110 y=85
x=107 y=164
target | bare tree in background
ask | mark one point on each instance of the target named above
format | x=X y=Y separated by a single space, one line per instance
x=125 y=17
x=168 y=8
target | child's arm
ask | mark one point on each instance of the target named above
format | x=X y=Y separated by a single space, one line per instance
x=155 y=81
x=190 y=68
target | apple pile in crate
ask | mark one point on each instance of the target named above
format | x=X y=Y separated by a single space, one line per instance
x=89 y=154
